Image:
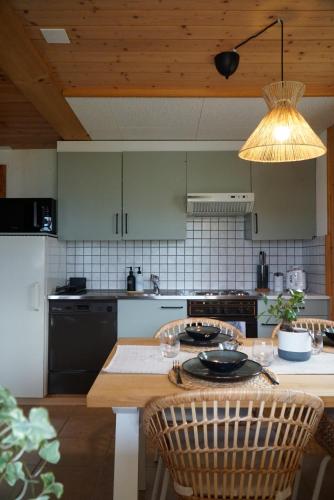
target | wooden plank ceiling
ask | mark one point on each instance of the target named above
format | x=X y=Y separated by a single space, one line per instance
x=21 y=126
x=166 y=47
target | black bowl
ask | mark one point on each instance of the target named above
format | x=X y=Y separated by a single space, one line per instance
x=203 y=333
x=329 y=333
x=222 y=361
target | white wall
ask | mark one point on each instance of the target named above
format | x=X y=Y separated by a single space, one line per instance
x=321 y=180
x=30 y=172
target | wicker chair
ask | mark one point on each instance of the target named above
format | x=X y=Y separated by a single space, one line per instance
x=321 y=445
x=208 y=453
x=313 y=324
x=179 y=325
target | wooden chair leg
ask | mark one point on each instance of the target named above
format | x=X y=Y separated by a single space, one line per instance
x=320 y=477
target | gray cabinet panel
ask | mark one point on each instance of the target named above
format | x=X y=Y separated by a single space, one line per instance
x=217 y=172
x=284 y=201
x=314 y=308
x=89 y=196
x=142 y=318
x=154 y=195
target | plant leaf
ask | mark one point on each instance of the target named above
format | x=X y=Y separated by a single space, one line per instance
x=50 y=486
x=14 y=472
x=4 y=459
x=50 y=452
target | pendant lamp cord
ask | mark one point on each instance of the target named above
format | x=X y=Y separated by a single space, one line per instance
x=282 y=50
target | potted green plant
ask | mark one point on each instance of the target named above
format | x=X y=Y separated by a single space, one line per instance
x=294 y=344
x=19 y=436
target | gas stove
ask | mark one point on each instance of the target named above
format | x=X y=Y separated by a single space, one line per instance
x=214 y=293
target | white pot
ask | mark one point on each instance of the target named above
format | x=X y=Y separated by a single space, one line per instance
x=296 y=345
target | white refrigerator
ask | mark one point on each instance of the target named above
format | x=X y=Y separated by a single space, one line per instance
x=30 y=268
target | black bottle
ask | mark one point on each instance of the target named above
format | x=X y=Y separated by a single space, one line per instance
x=131 y=281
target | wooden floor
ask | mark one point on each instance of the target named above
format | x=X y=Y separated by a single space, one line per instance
x=87 y=451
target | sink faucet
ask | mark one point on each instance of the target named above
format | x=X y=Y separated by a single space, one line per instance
x=156 y=282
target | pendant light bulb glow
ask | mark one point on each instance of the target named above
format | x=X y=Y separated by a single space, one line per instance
x=283 y=134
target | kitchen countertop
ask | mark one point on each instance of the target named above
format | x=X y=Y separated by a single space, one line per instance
x=167 y=294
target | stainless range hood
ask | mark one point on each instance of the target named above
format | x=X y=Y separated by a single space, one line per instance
x=219 y=204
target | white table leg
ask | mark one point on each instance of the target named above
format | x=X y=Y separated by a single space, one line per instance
x=126 y=454
x=142 y=456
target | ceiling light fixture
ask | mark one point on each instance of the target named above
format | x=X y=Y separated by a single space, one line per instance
x=283 y=134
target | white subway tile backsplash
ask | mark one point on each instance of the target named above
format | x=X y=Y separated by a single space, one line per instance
x=214 y=255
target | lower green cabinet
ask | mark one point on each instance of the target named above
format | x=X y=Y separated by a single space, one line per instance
x=313 y=308
x=143 y=317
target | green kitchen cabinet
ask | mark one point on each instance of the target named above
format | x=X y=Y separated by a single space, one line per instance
x=129 y=196
x=143 y=317
x=89 y=196
x=313 y=308
x=154 y=195
x=285 y=201
x=217 y=172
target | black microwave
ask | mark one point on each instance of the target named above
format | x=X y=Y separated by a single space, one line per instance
x=28 y=215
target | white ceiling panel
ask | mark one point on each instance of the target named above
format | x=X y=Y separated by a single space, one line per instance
x=147 y=119
x=232 y=119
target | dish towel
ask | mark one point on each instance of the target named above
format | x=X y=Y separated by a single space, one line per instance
x=148 y=359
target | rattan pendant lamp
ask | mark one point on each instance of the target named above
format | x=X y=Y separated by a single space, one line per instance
x=283 y=134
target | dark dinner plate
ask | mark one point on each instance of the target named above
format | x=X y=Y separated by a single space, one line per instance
x=196 y=369
x=186 y=339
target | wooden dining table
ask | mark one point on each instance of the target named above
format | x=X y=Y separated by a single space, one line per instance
x=128 y=394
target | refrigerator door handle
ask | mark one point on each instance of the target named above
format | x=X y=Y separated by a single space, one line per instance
x=36 y=296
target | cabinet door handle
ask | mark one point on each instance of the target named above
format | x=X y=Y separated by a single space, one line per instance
x=171 y=307
x=35 y=214
x=269 y=324
x=126 y=223
x=256 y=224
x=117 y=223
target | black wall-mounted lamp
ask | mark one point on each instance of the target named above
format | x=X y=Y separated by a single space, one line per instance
x=227 y=62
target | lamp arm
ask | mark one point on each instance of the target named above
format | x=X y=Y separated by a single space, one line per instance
x=278 y=20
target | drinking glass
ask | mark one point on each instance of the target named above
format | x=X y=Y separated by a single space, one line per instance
x=169 y=344
x=317 y=342
x=263 y=351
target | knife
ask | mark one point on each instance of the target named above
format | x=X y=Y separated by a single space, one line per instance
x=269 y=375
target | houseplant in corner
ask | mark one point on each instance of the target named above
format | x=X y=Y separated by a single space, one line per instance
x=294 y=344
x=19 y=436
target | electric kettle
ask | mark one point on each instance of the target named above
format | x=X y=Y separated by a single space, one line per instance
x=296 y=279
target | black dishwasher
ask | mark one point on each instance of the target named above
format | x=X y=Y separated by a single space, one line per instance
x=81 y=335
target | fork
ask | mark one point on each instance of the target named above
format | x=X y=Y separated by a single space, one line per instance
x=177 y=368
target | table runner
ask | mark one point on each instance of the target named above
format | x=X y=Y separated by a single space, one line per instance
x=148 y=359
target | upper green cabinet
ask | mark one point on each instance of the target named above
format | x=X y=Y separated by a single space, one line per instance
x=89 y=196
x=154 y=195
x=217 y=172
x=111 y=196
x=284 y=201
